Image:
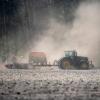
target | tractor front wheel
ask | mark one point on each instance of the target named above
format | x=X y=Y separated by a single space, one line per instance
x=84 y=66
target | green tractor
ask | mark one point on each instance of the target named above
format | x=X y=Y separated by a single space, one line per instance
x=72 y=61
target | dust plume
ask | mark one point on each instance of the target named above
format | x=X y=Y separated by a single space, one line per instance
x=51 y=26
x=81 y=35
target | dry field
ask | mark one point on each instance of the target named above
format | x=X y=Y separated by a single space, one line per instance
x=49 y=83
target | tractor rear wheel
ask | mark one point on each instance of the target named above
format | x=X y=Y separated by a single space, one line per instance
x=64 y=64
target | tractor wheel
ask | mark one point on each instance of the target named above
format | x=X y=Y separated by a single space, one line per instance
x=84 y=66
x=64 y=64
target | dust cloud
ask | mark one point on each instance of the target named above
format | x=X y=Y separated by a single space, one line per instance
x=81 y=35
x=50 y=26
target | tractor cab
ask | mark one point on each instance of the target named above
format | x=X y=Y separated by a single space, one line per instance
x=70 y=54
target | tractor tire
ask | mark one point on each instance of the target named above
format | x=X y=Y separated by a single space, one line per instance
x=84 y=66
x=64 y=64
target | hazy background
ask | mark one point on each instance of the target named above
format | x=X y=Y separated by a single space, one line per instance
x=51 y=26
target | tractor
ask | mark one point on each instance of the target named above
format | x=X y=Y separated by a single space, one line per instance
x=72 y=61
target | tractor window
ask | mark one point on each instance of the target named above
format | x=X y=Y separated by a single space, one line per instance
x=68 y=54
